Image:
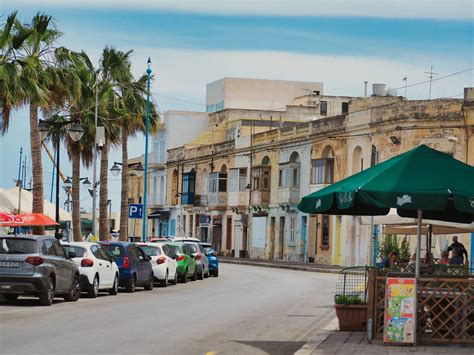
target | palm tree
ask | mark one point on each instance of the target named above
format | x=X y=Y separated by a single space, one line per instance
x=80 y=108
x=36 y=56
x=133 y=119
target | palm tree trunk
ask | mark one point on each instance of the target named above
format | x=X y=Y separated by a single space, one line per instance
x=75 y=195
x=124 y=197
x=104 y=194
x=37 y=167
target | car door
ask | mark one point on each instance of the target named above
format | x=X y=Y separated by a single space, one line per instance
x=63 y=267
x=101 y=266
x=109 y=263
x=172 y=264
x=136 y=264
x=145 y=266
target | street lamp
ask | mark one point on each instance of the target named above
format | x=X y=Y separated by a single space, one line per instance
x=147 y=127
x=54 y=127
x=138 y=169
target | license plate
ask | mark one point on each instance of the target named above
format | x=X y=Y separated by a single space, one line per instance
x=9 y=264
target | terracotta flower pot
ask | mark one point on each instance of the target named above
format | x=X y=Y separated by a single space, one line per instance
x=352 y=317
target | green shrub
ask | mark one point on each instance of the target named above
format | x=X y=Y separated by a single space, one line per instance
x=340 y=299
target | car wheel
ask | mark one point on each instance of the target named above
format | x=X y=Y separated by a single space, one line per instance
x=46 y=297
x=75 y=291
x=10 y=297
x=206 y=275
x=194 y=277
x=150 y=284
x=93 y=290
x=175 y=280
x=164 y=282
x=201 y=275
x=131 y=285
x=184 y=279
x=114 y=290
x=216 y=273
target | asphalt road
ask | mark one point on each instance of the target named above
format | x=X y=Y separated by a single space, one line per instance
x=247 y=310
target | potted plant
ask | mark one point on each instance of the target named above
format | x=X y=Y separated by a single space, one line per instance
x=351 y=312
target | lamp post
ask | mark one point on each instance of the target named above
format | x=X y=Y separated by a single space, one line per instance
x=75 y=132
x=144 y=225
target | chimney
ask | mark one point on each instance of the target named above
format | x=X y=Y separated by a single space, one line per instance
x=365 y=88
x=378 y=89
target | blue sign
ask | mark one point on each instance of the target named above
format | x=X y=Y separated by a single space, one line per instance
x=135 y=210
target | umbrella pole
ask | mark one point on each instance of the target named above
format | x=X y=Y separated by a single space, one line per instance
x=372 y=242
x=418 y=244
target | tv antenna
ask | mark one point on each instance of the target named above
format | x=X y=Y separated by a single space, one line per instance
x=405 y=81
x=431 y=78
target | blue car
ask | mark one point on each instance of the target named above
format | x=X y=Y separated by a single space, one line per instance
x=134 y=265
x=213 y=259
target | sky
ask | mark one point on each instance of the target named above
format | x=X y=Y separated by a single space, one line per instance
x=341 y=43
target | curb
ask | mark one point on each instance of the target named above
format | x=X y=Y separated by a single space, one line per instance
x=276 y=266
x=317 y=338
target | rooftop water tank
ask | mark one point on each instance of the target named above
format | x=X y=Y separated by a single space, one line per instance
x=378 y=89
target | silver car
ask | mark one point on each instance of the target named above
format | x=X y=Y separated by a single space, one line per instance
x=202 y=263
x=38 y=266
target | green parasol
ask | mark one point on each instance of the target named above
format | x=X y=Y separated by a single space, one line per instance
x=422 y=182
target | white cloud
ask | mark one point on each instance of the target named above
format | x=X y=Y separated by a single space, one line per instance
x=435 y=9
x=185 y=73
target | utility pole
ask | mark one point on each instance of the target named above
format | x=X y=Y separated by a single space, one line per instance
x=405 y=80
x=431 y=78
x=94 y=165
x=19 y=181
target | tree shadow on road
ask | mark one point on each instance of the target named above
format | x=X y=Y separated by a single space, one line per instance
x=275 y=347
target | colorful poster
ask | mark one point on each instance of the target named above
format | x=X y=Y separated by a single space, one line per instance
x=400 y=310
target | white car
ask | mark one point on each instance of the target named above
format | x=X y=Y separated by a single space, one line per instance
x=163 y=265
x=97 y=269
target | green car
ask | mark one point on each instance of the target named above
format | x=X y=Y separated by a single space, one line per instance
x=186 y=262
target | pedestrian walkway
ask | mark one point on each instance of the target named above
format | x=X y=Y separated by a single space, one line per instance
x=282 y=264
x=354 y=343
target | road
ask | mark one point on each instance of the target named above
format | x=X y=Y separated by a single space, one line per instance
x=247 y=310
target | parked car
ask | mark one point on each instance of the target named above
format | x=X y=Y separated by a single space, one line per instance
x=202 y=264
x=38 y=266
x=163 y=265
x=212 y=257
x=134 y=267
x=97 y=268
x=186 y=264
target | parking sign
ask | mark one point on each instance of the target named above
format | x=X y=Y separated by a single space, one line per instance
x=135 y=210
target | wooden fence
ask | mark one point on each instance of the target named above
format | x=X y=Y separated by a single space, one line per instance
x=445 y=308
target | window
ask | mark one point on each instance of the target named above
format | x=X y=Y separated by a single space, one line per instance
x=133 y=252
x=189 y=184
x=18 y=246
x=222 y=182
x=172 y=227
x=213 y=179
x=323 y=109
x=280 y=178
x=295 y=180
x=59 y=249
x=242 y=179
x=266 y=180
x=80 y=252
x=345 y=108
x=292 y=229
x=322 y=171
x=233 y=179
x=48 y=248
x=325 y=232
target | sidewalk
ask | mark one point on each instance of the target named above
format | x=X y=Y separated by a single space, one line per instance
x=282 y=264
x=355 y=343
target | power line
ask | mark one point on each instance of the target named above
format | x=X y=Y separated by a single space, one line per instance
x=440 y=78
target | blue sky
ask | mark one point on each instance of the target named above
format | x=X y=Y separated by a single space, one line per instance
x=339 y=42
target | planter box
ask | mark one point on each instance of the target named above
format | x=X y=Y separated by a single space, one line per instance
x=352 y=317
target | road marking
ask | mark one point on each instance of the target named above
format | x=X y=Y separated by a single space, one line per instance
x=326 y=318
x=211 y=353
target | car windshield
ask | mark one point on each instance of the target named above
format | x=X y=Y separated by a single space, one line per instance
x=17 y=246
x=150 y=251
x=207 y=249
x=193 y=248
x=174 y=249
x=79 y=251
x=114 y=250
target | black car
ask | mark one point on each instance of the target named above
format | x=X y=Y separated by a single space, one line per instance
x=38 y=266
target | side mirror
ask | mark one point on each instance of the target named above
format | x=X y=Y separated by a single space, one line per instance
x=147 y=258
x=71 y=255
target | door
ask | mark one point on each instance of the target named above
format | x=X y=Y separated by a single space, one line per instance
x=103 y=267
x=49 y=251
x=271 y=255
x=172 y=264
x=136 y=263
x=281 y=238
x=228 y=242
x=304 y=237
x=145 y=267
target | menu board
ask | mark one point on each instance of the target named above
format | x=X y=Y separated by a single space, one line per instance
x=400 y=310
